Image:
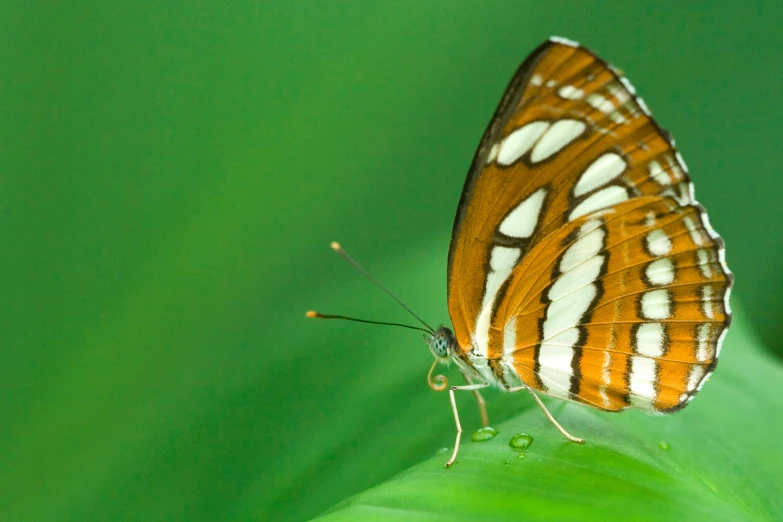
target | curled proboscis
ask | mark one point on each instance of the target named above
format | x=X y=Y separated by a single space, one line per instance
x=438 y=382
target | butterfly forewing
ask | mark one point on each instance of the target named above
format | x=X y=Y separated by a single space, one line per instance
x=580 y=263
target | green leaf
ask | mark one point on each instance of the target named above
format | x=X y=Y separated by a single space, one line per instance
x=719 y=459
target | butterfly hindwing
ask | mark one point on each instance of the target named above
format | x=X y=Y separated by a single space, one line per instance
x=626 y=307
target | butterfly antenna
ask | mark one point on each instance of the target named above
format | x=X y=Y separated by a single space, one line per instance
x=337 y=248
x=315 y=315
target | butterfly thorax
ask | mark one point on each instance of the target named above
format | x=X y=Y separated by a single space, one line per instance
x=479 y=368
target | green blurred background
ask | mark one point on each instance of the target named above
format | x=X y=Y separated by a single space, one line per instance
x=172 y=174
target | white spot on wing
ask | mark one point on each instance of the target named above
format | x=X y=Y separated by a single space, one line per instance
x=656 y=304
x=703 y=337
x=536 y=80
x=658 y=174
x=587 y=246
x=616 y=117
x=604 y=396
x=649 y=339
x=600 y=103
x=600 y=172
x=579 y=276
x=560 y=134
x=554 y=359
x=675 y=168
x=510 y=375
x=493 y=153
x=519 y=142
x=682 y=193
x=660 y=271
x=695 y=377
x=501 y=262
x=643 y=370
x=503 y=259
x=694 y=232
x=706 y=302
x=686 y=192
x=658 y=243
x=606 y=377
x=569 y=92
x=567 y=311
x=522 y=221
x=620 y=95
x=607 y=197
x=704 y=263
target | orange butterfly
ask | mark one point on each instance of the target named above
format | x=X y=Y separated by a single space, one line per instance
x=581 y=266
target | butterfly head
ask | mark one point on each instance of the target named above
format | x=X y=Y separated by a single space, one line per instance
x=442 y=344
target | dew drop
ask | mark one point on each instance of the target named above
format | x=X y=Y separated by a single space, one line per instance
x=664 y=445
x=521 y=441
x=442 y=450
x=484 y=434
x=522 y=456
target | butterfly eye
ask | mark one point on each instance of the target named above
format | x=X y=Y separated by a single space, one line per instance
x=442 y=343
x=439 y=346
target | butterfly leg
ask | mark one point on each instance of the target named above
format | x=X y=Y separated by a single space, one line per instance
x=468 y=387
x=548 y=415
x=482 y=404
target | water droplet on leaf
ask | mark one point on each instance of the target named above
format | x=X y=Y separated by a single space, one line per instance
x=664 y=445
x=483 y=434
x=522 y=456
x=521 y=441
x=442 y=450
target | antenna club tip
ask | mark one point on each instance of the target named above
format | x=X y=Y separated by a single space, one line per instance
x=335 y=245
x=311 y=313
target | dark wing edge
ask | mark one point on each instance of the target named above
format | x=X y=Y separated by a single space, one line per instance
x=510 y=99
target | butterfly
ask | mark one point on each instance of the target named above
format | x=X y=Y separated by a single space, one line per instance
x=581 y=266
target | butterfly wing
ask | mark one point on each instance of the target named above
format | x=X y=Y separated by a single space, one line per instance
x=625 y=307
x=570 y=140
